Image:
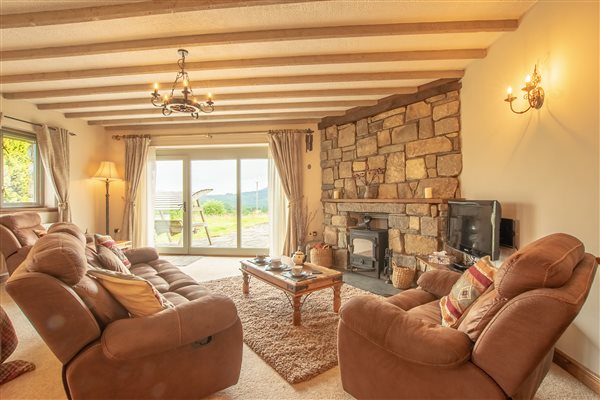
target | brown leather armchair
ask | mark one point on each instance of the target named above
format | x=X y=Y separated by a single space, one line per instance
x=188 y=351
x=17 y=236
x=397 y=349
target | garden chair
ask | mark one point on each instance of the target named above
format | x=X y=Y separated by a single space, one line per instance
x=197 y=206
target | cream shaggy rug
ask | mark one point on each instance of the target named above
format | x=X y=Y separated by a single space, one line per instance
x=297 y=353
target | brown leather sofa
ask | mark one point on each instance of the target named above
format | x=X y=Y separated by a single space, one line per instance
x=17 y=236
x=188 y=351
x=397 y=349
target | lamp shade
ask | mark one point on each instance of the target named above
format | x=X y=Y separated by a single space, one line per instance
x=107 y=170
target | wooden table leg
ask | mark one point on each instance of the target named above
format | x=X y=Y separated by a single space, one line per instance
x=337 y=300
x=246 y=286
x=297 y=317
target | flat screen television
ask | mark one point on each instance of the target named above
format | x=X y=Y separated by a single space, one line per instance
x=474 y=227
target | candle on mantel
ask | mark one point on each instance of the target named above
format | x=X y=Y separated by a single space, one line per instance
x=428 y=193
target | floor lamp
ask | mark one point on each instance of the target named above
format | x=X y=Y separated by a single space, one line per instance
x=107 y=172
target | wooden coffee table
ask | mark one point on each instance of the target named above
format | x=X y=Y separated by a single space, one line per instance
x=293 y=289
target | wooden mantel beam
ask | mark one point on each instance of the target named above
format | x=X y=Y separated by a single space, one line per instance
x=286 y=94
x=128 y=10
x=415 y=55
x=242 y=82
x=265 y=36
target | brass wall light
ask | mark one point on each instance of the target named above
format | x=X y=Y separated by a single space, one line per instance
x=534 y=94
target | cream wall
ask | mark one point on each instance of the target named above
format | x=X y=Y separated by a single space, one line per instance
x=86 y=151
x=543 y=166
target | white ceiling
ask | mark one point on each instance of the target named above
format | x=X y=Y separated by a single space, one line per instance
x=151 y=31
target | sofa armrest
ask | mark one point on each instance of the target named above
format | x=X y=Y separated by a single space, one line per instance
x=141 y=255
x=171 y=328
x=407 y=337
x=438 y=282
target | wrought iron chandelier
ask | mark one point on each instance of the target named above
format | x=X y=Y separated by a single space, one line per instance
x=186 y=104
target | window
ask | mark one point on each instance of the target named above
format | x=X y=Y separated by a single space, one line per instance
x=21 y=177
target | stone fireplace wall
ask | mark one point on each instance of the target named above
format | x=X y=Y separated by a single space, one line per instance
x=414 y=146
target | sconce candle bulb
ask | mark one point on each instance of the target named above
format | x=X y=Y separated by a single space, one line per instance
x=534 y=94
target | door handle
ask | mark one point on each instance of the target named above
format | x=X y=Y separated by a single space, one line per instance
x=184 y=206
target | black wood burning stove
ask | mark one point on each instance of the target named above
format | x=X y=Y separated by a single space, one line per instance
x=367 y=250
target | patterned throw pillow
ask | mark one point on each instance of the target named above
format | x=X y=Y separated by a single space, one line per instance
x=466 y=290
x=136 y=294
x=108 y=242
x=110 y=261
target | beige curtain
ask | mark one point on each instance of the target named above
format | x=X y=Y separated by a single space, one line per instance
x=54 y=151
x=136 y=153
x=286 y=146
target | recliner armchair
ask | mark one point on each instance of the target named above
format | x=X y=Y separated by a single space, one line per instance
x=17 y=236
x=397 y=349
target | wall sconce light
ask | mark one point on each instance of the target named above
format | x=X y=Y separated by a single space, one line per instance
x=534 y=94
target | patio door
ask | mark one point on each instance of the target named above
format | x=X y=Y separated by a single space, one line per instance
x=212 y=201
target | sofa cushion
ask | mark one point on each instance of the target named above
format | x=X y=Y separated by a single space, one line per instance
x=40 y=232
x=110 y=261
x=67 y=227
x=60 y=255
x=546 y=263
x=108 y=242
x=101 y=303
x=136 y=294
x=466 y=290
x=428 y=312
x=481 y=313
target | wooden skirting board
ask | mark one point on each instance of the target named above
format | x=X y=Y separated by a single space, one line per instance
x=584 y=375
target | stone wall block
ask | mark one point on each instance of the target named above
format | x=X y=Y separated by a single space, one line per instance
x=327 y=176
x=391 y=149
x=350 y=189
x=415 y=169
x=404 y=191
x=326 y=145
x=376 y=126
x=395 y=241
x=339 y=220
x=445 y=110
x=420 y=245
x=392 y=121
x=342 y=239
x=446 y=125
x=338 y=183
x=428 y=146
x=366 y=146
x=330 y=208
x=362 y=127
x=324 y=155
x=406 y=261
x=346 y=135
x=334 y=154
x=414 y=224
x=437 y=98
x=405 y=133
x=432 y=173
x=431 y=160
x=358 y=166
x=397 y=221
x=345 y=169
x=429 y=226
x=331 y=132
x=449 y=165
x=418 y=209
x=395 y=168
x=327 y=164
x=383 y=138
x=348 y=155
x=443 y=188
x=425 y=128
x=330 y=235
x=434 y=211
x=389 y=113
x=417 y=111
x=388 y=191
x=376 y=162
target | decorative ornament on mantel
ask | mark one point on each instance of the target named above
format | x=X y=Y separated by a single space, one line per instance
x=367 y=177
x=534 y=94
x=182 y=104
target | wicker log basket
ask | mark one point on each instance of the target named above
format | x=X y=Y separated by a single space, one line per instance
x=322 y=256
x=402 y=277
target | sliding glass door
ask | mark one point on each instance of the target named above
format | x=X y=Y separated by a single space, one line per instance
x=212 y=201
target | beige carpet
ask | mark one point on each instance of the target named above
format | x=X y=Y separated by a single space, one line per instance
x=297 y=353
x=257 y=380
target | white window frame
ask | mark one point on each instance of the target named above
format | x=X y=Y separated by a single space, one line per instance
x=39 y=179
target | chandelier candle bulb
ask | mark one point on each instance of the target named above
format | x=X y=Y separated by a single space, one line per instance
x=509 y=91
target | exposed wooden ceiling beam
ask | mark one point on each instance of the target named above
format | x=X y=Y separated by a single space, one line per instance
x=414 y=55
x=274 y=35
x=242 y=82
x=288 y=94
x=128 y=10
x=214 y=117
x=273 y=124
x=273 y=107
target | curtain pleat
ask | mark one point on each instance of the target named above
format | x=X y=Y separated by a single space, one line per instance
x=136 y=153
